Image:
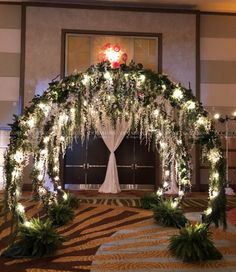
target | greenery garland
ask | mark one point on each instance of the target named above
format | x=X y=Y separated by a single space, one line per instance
x=163 y=112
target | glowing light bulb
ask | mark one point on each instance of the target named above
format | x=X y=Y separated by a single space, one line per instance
x=46 y=139
x=56 y=178
x=40 y=177
x=28 y=224
x=142 y=78
x=216 y=175
x=234 y=113
x=65 y=196
x=167 y=173
x=174 y=204
x=159 y=192
x=181 y=193
x=107 y=75
x=208 y=211
x=165 y=184
x=216 y=116
x=20 y=208
x=112 y=55
x=214 y=194
x=178 y=94
x=163 y=87
x=59 y=187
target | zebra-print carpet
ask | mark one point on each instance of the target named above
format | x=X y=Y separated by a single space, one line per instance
x=110 y=238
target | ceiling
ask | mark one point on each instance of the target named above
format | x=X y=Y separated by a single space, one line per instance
x=203 y=5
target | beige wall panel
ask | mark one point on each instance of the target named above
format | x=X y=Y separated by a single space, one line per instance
x=223 y=95
x=218 y=72
x=8 y=108
x=10 y=40
x=9 y=64
x=9 y=88
x=218 y=26
x=43 y=39
x=10 y=16
x=218 y=49
x=4 y=139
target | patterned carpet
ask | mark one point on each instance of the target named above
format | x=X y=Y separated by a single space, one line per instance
x=111 y=238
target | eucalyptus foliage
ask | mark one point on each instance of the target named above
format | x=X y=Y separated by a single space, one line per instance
x=162 y=111
x=194 y=244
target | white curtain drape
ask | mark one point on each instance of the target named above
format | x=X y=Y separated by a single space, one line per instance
x=112 y=138
x=173 y=189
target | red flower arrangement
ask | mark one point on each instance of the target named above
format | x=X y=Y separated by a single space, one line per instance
x=113 y=54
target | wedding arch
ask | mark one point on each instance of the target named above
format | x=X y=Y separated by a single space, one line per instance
x=164 y=113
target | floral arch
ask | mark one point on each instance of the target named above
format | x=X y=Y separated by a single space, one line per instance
x=164 y=113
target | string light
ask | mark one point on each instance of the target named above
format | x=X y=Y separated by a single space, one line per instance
x=167 y=173
x=142 y=78
x=214 y=194
x=174 y=204
x=216 y=175
x=208 y=211
x=40 y=177
x=165 y=184
x=20 y=208
x=46 y=139
x=163 y=87
x=178 y=94
x=181 y=193
x=65 y=196
x=159 y=192
x=107 y=75
x=216 y=116
x=27 y=224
